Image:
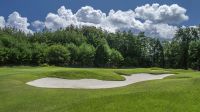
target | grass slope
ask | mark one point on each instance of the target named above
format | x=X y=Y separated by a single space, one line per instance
x=178 y=93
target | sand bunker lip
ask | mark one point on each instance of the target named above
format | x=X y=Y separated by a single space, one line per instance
x=93 y=83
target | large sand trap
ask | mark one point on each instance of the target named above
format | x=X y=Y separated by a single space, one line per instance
x=93 y=83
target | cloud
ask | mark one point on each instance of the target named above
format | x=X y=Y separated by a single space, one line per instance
x=38 y=25
x=121 y=20
x=2 y=22
x=16 y=21
x=172 y=14
x=165 y=30
x=63 y=19
x=55 y=22
x=89 y=15
x=160 y=30
x=155 y=20
x=125 y=20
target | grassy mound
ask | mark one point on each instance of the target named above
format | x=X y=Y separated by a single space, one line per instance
x=87 y=74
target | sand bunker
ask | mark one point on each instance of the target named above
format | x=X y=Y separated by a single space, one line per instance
x=93 y=83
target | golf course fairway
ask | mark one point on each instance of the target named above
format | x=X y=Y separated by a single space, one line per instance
x=175 y=93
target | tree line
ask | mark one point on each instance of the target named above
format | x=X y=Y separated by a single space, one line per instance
x=93 y=47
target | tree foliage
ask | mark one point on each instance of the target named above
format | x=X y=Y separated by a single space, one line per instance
x=86 y=54
x=93 y=47
x=58 y=55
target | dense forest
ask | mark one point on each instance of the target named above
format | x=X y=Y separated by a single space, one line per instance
x=92 y=47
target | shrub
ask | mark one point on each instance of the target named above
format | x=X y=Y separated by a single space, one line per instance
x=58 y=55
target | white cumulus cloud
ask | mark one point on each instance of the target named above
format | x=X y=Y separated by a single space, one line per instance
x=88 y=14
x=172 y=14
x=160 y=30
x=155 y=20
x=63 y=19
x=15 y=20
x=2 y=22
x=121 y=20
x=38 y=25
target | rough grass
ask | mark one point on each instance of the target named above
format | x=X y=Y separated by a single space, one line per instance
x=178 y=93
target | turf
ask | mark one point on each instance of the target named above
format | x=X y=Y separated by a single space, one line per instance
x=178 y=93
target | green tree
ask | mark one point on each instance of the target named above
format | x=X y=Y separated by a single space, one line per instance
x=184 y=36
x=3 y=55
x=86 y=54
x=13 y=56
x=158 y=54
x=58 y=55
x=116 y=58
x=194 y=53
x=102 y=56
x=74 y=53
x=38 y=53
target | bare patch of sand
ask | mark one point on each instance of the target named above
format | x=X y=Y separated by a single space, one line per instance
x=93 y=83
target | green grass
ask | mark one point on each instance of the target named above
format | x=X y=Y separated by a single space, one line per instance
x=102 y=74
x=177 y=93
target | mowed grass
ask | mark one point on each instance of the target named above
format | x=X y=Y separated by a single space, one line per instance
x=177 y=93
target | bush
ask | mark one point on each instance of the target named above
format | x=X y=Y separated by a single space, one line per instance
x=38 y=53
x=86 y=54
x=58 y=55
x=116 y=58
x=102 y=55
x=74 y=52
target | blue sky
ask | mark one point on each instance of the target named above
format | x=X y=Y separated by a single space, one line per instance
x=33 y=15
x=38 y=9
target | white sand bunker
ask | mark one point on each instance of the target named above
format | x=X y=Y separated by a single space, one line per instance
x=93 y=83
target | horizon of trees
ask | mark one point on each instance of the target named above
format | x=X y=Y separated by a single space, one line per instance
x=92 y=47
